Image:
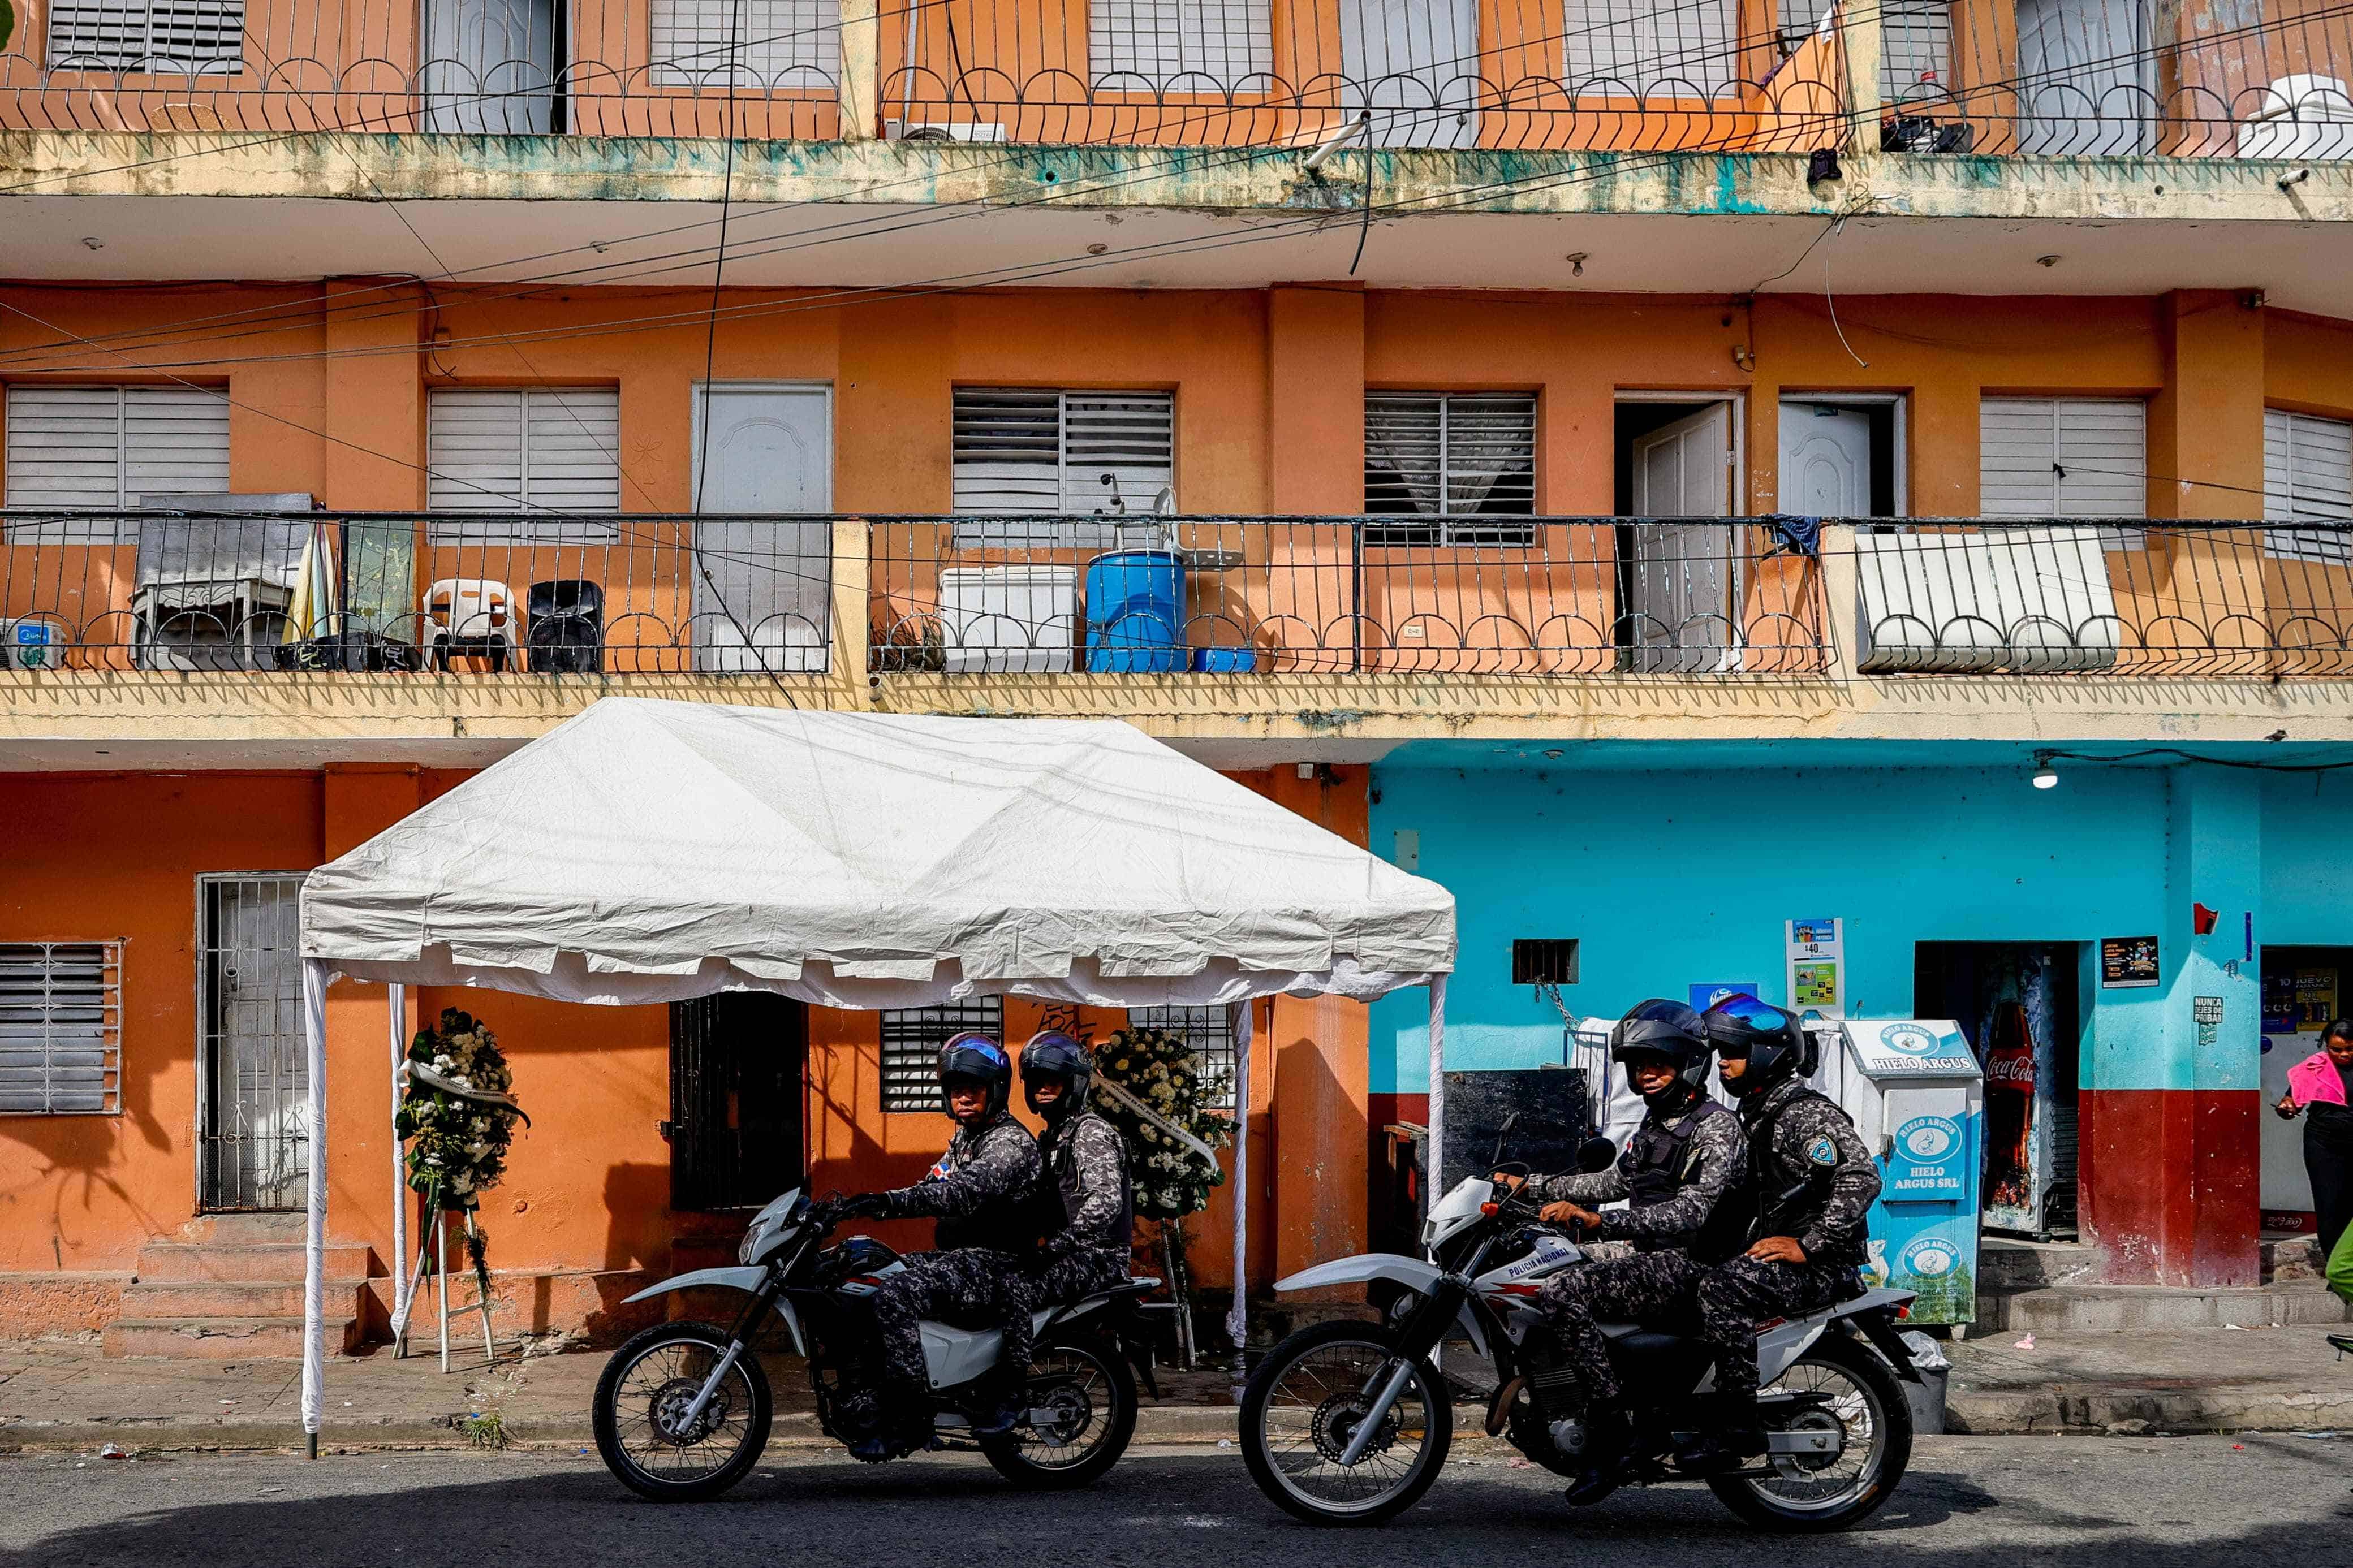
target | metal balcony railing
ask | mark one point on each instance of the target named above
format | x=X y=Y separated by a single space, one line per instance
x=1045 y=597
x=1998 y=76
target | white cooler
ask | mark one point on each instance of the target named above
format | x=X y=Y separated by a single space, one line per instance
x=1009 y=619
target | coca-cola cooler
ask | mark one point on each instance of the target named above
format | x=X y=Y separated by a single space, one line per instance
x=1912 y=1087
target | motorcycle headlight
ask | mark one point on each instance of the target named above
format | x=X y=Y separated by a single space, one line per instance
x=752 y=1240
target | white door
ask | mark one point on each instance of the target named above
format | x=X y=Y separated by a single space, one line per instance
x=2087 y=77
x=489 y=66
x=1415 y=64
x=1825 y=460
x=1683 y=590
x=762 y=589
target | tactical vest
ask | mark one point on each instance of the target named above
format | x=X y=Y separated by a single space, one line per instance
x=1662 y=1159
x=1008 y=1225
x=1783 y=1207
x=1061 y=1183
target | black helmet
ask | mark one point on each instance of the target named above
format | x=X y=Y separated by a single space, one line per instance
x=973 y=1055
x=1054 y=1054
x=1663 y=1028
x=1772 y=1038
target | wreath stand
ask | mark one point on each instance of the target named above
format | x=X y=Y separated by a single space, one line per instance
x=434 y=1251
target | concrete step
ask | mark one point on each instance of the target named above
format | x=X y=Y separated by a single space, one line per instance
x=148 y=1299
x=272 y=1262
x=247 y=1228
x=2113 y=1308
x=2007 y=1263
x=223 y=1339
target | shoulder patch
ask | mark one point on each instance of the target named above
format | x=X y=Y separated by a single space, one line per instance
x=1822 y=1151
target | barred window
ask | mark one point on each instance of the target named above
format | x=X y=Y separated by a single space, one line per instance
x=1179 y=46
x=1210 y=1032
x=912 y=1039
x=62 y=1028
x=1021 y=454
x=1469 y=459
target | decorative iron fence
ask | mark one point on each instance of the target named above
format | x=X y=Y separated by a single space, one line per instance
x=582 y=594
x=1999 y=77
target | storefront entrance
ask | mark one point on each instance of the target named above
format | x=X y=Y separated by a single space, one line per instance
x=2018 y=1004
x=2303 y=989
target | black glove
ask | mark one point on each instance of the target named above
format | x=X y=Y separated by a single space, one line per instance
x=865 y=1205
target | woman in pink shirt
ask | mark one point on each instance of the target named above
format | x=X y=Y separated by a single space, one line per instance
x=2322 y=1085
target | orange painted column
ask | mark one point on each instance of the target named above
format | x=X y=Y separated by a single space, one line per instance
x=1315 y=403
x=375 y=455
x=2206 y=423
x=360 y=801
x=1318 y=1050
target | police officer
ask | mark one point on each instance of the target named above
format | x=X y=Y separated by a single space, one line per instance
x=1811 y=1182
x=1682 y=1168
x=1084 y=1210
x=980 y=1192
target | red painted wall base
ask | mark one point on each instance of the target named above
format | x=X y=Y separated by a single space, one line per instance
x=2170 y=1182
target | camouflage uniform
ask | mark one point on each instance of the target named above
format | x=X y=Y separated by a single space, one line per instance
x=1089 y=1229
x=1702 y=1154
x=976 y=1191
x=1813 y=1180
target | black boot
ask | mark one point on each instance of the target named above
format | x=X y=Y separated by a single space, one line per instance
x=1732 y=1436
x=999 y=1404
x=1608 y=1439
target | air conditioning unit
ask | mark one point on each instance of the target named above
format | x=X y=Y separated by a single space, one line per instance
x=1009 y=619
x=2031 y=600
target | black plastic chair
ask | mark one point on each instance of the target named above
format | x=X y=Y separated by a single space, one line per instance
x=566 y=627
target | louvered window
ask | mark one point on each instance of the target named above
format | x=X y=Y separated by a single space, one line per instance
x=60 y=1027
x=522 y=449
x=1180 y=45
x=100 y=446
x=1210 y=1032
x=2308 y=478
x=2065 y=458
x=912 y=1039
x=1650 y=49
x=204 y=38
x=771 y=44
x=1468 y=459
x=1022 y=455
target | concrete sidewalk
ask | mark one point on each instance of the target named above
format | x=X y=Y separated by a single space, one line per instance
x=67 y=1395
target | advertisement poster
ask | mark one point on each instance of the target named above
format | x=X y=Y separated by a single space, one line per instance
x=2015 y=1034
x=1927 y=1250
x=2316 y=999
x=1703 y=998
x=2128 y=962
x=1817 y=954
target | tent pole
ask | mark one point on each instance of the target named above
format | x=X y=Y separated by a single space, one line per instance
x=396 y=1000
x=314 y=1248
x=1433 y=1176
x=1238 y=1316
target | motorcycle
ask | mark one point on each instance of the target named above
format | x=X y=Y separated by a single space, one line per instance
x=682 y=1409
x=1349 y=1423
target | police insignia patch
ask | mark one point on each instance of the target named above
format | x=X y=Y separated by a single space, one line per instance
x=1822 y=1151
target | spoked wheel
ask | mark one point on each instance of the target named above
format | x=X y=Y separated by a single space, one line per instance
x=1081 y=1414
x=647 y=1427
x=1864 y=1404
x=1306 y=1403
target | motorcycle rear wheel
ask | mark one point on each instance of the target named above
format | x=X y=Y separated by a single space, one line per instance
x=1867 y=1400
x=1298 y=1414
x=1092 y=1391
x=645 y=1386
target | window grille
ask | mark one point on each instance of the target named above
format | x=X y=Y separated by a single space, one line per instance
x=773 y=44
x=60 y=1028
x=2308 y=478
x=1020 y=453
x=1650 y=49
x=186 y=38
x=1468 y=459
x=1210 y=1032
x=912 y=1039
x=1179 y=46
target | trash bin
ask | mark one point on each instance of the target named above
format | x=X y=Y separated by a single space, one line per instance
x=1927 y=1396
x=1136 y=611
x=566 y=627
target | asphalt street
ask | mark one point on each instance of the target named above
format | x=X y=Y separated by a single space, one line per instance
x=2145 y=1502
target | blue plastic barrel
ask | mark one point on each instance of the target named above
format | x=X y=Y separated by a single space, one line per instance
x=1136 y=611
x=1225 y=660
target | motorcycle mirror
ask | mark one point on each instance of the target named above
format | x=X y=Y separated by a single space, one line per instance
x=1596 y=1154
x=1500 y=1134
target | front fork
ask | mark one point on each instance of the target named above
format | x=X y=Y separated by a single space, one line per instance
x=1423 y=1328
x=746 y=1323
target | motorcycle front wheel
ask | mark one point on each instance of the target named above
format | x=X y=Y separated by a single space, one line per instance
x=1081 y=1415
x=1304 y=1406
x=1866 y=1403
x=641 y=1413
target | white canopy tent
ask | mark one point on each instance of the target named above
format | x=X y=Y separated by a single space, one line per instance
x=650 y=851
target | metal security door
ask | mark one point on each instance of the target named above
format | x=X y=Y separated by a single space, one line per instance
x=736 y=1067
x=252 y=1083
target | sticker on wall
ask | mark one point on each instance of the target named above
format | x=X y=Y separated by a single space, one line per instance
x=2128 y=962
x=1817 y=955
x=2206 y=1012
x=1703 y=998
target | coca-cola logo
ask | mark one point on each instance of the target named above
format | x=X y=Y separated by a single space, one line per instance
x=2012 y=1069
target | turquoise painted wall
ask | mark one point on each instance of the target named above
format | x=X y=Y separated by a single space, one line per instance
x=1672 y=879
x=2307 y=878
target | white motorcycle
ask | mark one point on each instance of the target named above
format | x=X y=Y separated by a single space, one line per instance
x=1349 y=1423
x=682 y=1409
